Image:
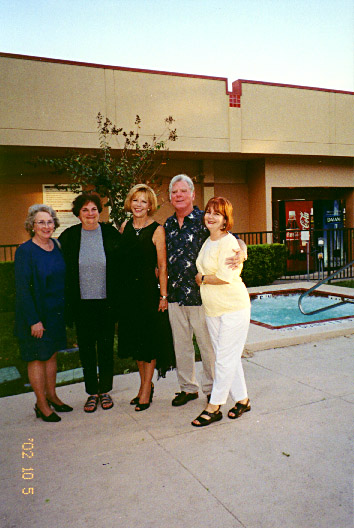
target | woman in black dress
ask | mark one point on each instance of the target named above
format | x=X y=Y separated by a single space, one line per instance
x=143 y=331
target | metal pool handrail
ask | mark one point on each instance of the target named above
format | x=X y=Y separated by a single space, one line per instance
x=306 y=293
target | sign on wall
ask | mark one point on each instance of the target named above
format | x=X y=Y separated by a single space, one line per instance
x=61 y=201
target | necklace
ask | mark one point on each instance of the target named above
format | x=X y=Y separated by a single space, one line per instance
x=137 y=230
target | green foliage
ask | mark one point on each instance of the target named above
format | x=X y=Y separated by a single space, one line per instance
x=342 y=283
x=266 y=262
x=7 y=286
x=110 y=174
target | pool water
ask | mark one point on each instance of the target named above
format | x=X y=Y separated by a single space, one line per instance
x=277 y=311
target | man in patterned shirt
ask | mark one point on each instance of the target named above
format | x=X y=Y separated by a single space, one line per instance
x=185 y=235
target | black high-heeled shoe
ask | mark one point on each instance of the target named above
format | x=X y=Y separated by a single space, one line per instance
x=51 y=418
x=135 y=400
x=143 y=406
x=60 y=408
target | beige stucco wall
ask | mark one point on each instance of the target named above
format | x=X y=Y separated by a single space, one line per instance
x=55 y=104
x=289 y=120
x=257 y=196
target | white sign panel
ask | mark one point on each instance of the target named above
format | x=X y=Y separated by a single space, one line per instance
x=305 y=236
x=61 y=201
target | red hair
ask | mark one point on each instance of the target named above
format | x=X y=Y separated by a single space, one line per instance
x=224 y=207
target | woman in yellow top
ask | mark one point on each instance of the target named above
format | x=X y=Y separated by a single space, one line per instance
x=227 y=309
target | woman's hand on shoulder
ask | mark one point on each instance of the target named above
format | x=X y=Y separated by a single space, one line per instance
x=37 y=330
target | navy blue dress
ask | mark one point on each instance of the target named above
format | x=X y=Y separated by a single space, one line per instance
x=40 y=280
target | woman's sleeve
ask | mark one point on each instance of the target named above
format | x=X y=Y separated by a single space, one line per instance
x=23 y=278
x=227 y=246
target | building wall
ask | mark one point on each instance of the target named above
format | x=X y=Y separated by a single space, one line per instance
x=293 y=120
x=55 y=103
x=21 y=187
x=257 y=195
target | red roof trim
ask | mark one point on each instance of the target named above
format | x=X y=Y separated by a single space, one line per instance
x=237 y=87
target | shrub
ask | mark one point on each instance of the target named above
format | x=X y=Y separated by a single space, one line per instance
x=265 y=264
x=7 y=286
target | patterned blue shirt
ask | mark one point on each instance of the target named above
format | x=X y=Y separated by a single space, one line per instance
x=183 y=245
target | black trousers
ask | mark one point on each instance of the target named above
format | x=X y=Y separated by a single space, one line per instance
x=95 y=334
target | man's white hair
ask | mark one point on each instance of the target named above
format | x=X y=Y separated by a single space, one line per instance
x=181 y=177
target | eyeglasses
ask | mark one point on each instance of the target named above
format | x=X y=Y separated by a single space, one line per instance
x=43 y=223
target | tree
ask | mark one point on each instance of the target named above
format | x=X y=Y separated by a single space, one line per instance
x=113 y=175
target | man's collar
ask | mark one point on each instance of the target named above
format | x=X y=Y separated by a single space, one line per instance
x=191 y=215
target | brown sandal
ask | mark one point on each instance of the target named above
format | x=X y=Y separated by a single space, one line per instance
x=106 y=402
x=91 y=404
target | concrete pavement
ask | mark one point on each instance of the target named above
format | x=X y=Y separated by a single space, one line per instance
x=286 y=464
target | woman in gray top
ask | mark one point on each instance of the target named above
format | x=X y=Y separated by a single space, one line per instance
x=90 y=251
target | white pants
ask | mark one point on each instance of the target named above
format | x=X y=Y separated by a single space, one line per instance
x=186 y=320
x=228 y=335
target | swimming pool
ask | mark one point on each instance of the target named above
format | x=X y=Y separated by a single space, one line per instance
x=279 y=309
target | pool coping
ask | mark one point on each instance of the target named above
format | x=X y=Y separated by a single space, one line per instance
x=262 y=338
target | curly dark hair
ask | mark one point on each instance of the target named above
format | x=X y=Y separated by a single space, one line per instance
x=84 y=199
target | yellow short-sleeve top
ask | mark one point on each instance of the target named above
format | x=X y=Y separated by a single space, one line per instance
x=221 y=298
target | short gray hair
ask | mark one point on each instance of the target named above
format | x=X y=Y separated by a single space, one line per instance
x=181 y=177
x=39 y=208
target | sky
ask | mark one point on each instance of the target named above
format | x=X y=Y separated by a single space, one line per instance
x=300 y=42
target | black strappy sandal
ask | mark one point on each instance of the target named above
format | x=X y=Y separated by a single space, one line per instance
x=212 y=417
x=239 y=409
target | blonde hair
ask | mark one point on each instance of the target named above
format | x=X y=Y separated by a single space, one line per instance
x=144 y=189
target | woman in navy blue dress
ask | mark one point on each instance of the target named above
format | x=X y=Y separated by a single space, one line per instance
x=40 y=325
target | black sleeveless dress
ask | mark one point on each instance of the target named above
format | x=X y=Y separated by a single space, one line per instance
x=144 y=333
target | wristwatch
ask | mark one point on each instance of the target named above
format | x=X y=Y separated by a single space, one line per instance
x=203 y=276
